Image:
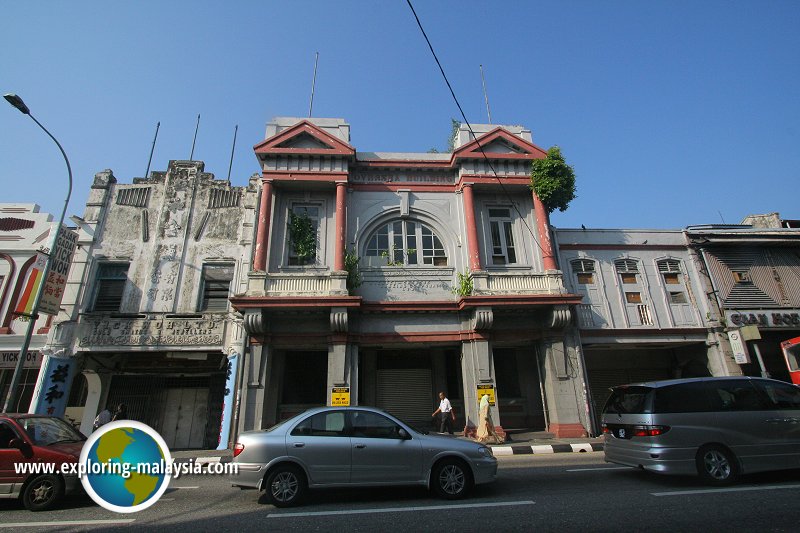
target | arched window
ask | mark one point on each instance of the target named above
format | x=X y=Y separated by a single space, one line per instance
x=670 y=270
x=406 y=242
x=584 y=270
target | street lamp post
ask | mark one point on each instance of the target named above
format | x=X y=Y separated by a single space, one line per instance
x=17 y=102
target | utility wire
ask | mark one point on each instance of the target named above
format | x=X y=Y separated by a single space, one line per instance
x=475 y=137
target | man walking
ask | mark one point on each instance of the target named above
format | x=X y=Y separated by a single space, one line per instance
x=446 y=414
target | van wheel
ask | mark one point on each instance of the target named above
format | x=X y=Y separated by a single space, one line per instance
x=716 y=465
x=286 y=486
x=451 y=479
x=42 y=493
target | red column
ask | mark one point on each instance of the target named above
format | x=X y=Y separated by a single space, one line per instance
x=543 y=228
x=472 y=229
x=262 y=235
x=341 y=225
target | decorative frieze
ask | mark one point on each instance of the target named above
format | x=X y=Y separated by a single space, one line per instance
x=154 y=330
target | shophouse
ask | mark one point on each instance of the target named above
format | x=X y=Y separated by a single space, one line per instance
x=645 y=313
x=149 y=323
x=456 y=287
x=753 y=271
x=23 y=232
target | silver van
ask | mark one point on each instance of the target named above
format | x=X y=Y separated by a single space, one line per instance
x=717 y=428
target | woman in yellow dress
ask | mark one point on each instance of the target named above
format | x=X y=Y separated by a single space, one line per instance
x=486 y=425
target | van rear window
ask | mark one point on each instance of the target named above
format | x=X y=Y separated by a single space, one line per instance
x=630 y=400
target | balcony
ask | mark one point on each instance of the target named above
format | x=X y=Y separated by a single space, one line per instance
x=297 y=284
x=486 y=283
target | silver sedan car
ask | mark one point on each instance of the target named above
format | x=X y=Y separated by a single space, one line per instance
x=356 y=447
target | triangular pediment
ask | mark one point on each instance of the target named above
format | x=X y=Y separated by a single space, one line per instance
x=304 y=138
x=306 y=141
x=500 y=144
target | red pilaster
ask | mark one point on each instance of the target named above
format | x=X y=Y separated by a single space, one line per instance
x=472 y=229
x=543 y=228
x=341 y=225
x=262 y=235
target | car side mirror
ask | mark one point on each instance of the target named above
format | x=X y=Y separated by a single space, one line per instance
x=403 y=434
x=20 y=445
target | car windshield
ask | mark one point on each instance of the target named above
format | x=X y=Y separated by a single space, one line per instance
x=630 y=400
x=44 y=431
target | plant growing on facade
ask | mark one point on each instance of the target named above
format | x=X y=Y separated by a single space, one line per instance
x=464 y=284
x=302 y=236
x=553 y=180
x=351 y=261
x=451 y=141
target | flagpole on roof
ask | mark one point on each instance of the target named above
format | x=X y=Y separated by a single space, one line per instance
x=313 y=85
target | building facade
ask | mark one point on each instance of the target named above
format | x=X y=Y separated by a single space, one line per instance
x=645 y=313
x=147 y=321
x=23 y=231
x=382 y=278
x=753 y=273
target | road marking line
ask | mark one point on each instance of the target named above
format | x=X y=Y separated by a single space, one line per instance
x=399 y=509
x=600 y=468
x=733 y=489
x=69 y=523
x=184 y=488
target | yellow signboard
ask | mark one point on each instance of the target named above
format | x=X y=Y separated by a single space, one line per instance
x=486 y=389
x=340 y=396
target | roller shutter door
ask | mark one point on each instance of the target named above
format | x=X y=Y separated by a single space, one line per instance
x=406 y=393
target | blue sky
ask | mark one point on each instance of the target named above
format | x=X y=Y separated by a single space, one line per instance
x=672 y=113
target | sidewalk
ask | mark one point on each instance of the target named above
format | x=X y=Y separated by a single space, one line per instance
x=524 y=443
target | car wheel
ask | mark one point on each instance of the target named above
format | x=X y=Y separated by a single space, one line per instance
x=42 y=493
x=286 y=486
x=716 y=465
x=451 y=479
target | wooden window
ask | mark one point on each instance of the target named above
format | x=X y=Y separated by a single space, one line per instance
x=628 y=278
x=626 y=265
x=110 y=286
x=669 y=265
x=216 y=287
x=671 y=279
x=741 y=276
x=677 y=298
x=584 y=271
x=633 y=297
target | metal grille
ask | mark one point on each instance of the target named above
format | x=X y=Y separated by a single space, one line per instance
x=146 y=398
x=407 y=394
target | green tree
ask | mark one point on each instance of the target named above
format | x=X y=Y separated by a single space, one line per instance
x=553 y=180
x=302 y=236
